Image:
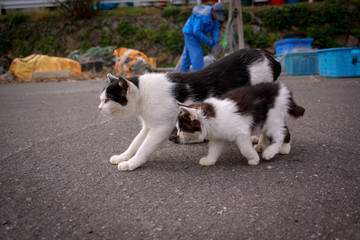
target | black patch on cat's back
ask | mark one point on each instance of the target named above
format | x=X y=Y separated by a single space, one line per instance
x=225 y=74
x=255 y=101
x=274 y=65
x=134 y=80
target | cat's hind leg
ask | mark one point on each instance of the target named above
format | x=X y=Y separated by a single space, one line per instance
x=247 y=150
x=154 y=139
x=215 y=149
x=133 y=148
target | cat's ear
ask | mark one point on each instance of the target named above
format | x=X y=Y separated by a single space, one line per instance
x=112 y=78
x=193 y=112
x=129 y=86
x=123 y=82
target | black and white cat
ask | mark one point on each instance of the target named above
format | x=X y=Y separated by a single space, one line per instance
x=240 y=113
x=153 y=97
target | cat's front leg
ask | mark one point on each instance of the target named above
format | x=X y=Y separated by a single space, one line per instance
x=275 y=146
x=247 y=150
x=153 y=140
x=262 y=143
x=134 y=146
x=215 y=149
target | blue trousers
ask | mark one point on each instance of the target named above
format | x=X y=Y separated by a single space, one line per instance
x=193 y=54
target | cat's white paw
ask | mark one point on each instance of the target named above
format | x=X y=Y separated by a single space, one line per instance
x=207 y=162
x=259 y=147
x=285 y=148
x=269 y=153
x=254 y=161
x=126 y=166
x=254 y=139
x=116 y=159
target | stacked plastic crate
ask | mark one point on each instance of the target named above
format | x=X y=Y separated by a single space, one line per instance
x=339 y=62
x=299 y=58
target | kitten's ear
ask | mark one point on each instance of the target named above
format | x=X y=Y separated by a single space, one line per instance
x=180 y=104
x=193 y=112
x=112 y=78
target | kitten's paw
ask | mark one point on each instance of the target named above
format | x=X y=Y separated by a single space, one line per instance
x=269 y=153
x=254 y=161
x=259 y=147
x=207 y=162
x=126 y=166
x=116 y=159
x=285 y=148
x=254 y=139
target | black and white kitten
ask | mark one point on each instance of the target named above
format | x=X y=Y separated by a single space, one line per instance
x=153 y=97
x=240 y=113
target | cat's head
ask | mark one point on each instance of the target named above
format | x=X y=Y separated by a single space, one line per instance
x=190 y=122
x=119 y=97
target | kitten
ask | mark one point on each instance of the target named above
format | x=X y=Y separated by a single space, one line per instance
x=240 y=113
x=153 y=97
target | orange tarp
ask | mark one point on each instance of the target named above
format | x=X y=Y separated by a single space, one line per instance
x=126 y=57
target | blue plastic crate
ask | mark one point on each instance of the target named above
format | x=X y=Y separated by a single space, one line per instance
x=339 y=62
x=288 y=45
x=301 y=63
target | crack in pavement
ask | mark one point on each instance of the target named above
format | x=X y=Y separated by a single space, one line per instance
x=21 y=149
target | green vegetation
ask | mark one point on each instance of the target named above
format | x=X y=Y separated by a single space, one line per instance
x=55 y=32
x=76 y=9
x=132 y=12
x=178 y=14
x=319 y=21
x=170 y=11
x=259 y=39
x=125 y=29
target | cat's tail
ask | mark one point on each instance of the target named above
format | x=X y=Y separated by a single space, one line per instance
x=295 y=110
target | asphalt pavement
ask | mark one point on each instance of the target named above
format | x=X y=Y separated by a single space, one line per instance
x=56 y=181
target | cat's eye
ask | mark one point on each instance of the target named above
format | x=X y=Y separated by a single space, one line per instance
x=106 y=100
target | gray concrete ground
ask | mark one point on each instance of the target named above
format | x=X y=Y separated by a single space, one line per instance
x=56 y=181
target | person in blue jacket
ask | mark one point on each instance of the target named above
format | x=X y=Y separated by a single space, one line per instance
x=203 y=20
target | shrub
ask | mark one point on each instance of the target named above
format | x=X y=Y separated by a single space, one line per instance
x=5 y=42
x=105 y=39
x=259 y=39
x=322 y=36
x=125 y=29
x=174 y=41
x=85 y=45
x=184 y=15
x=246 y=17
x=140 y=34
x=170 y=11
x=76 y=8
x=19 y=18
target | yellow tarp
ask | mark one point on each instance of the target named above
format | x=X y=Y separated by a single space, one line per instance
x=23 y=68
x=126 y=57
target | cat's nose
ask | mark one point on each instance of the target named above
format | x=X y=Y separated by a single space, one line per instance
x=100 y=108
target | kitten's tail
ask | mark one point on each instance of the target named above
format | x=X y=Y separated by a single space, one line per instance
x=295 y=110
